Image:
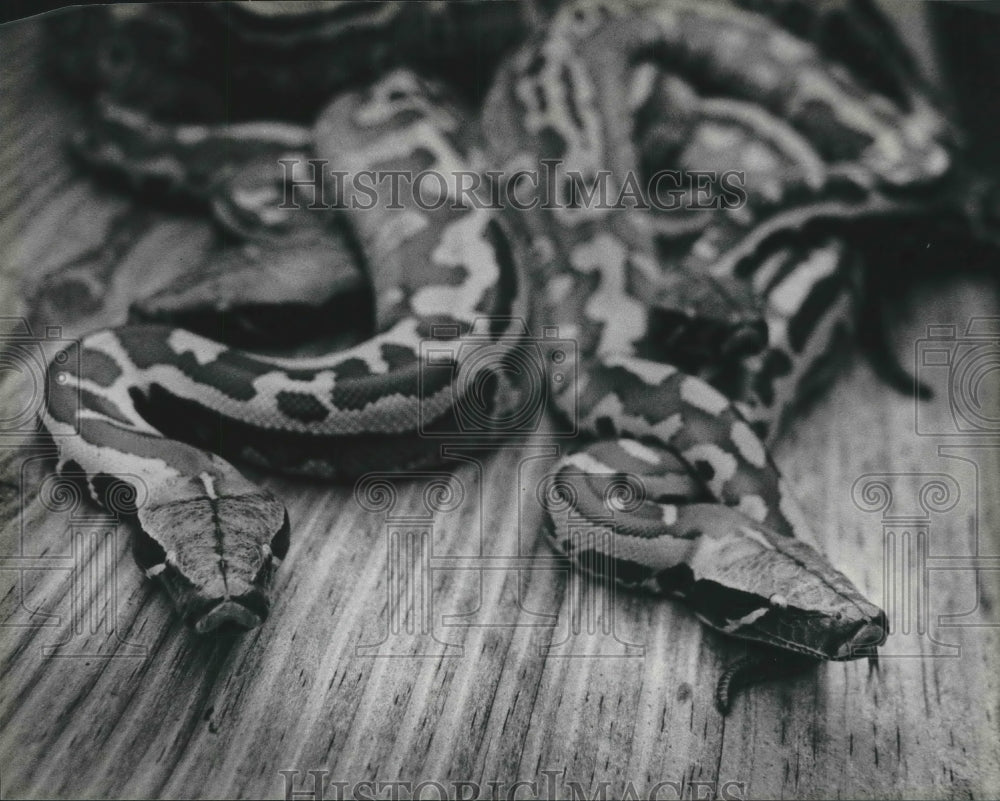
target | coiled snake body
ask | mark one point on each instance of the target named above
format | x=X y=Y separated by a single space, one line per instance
x=606 y=87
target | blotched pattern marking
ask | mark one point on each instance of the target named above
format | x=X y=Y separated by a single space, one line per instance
x=746 y=442
x=704 y=397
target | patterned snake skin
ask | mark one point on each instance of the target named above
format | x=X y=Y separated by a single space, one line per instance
x=697 y=332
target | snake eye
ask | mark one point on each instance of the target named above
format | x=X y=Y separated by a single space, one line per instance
x=116 y=59
x=778 y=600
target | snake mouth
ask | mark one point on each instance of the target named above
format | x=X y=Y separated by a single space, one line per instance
x=870 y=634
x=244 y=612
x=227 y=612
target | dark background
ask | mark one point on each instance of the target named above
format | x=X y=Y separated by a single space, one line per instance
x=19 y=9
x=967 y=37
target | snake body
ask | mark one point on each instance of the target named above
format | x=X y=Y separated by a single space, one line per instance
x=680 y=381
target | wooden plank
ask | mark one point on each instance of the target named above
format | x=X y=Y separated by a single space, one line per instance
x=106 y=695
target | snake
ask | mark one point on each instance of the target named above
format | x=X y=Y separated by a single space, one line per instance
x=695 y=334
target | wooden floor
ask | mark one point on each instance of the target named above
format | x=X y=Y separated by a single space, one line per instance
x=449 y=647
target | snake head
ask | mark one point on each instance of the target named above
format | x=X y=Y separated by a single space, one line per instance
x=213 y=542
x=701 y=319
x=799 y=610
x=752 y=583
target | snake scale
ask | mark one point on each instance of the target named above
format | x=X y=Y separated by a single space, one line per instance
x=697 y=333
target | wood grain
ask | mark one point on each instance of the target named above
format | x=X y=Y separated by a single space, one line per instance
x=106 y=695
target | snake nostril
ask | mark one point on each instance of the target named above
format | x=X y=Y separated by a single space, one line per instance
x=256 y=602
x=869 y=634
x=745 y=341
